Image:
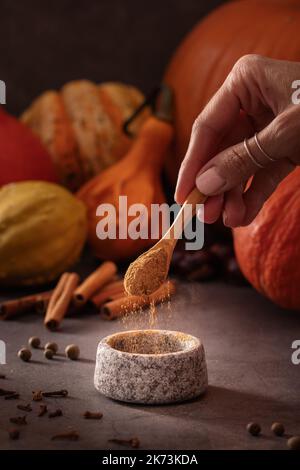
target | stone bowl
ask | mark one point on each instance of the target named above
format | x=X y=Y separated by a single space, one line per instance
x=151 y=367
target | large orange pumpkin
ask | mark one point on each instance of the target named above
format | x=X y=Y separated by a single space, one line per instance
x=205 y=57
x=268 y=250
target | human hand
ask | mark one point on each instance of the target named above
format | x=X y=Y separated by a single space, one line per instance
x=256 y=97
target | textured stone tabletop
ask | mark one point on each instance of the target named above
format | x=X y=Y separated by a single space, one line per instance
x=251 y=377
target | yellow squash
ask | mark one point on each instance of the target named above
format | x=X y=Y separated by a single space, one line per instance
x=42 y=232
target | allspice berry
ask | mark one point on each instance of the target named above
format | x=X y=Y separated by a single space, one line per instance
x=52 y=346
x=34 y=342
x=293 y=443
x=254 y=429
x=72 y=352
x=277 y=429
x=24 y=354
x=48 y=353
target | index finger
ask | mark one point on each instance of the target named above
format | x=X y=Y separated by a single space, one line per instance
x=210 y=127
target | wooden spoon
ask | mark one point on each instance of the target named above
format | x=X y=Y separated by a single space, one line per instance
x=150 y=270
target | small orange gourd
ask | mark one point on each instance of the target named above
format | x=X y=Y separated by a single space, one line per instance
x=136 y=176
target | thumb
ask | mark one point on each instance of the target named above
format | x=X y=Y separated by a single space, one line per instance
x=236 y=164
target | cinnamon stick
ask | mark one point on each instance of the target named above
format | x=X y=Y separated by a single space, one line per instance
x=60 y=300
x=110 y=290
x=94 y=282
x=34 y=302
x=119 y=307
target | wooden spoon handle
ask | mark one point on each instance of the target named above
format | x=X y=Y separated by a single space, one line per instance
x=181 y=221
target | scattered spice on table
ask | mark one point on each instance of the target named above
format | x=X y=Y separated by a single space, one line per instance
x=133 y=442
x=52 y=346
x=56 y=413
x=4 y=393
x=34 y=342
x=25 y=407
x=43 y=410
x=20 y=420
x=49 y=354
x=37 y=395
x=254 y=429
x=24 y=354
x=92 y=415
x=56 y=393
x=14 y=434
x=278 y=429
x=69 y=436
x=13 y=396
x=293 y=443
x=2 y=376
x=72 y=352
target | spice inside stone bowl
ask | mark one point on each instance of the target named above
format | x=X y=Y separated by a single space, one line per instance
x=151 y=367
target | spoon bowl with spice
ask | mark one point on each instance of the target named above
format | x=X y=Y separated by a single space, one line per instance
x=149 y=271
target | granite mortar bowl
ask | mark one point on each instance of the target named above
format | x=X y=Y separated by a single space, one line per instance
x=151 y=367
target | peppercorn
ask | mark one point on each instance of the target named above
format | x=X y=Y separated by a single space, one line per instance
x=52 y=346
x=254 y=429
x=48 y=353
x=277 y=429
x=293 y=443
x=24 y=354
x=34 y=342
x=72 y=352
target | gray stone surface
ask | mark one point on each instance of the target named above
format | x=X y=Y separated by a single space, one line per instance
x=251 y=377
x=151 y=367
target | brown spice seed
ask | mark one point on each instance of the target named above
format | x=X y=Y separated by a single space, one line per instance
x=56 y=413
x=277 y=429
x=14 y=434
x=71 y=436
x=13 y=396
x=254 y=429
x=92 y=415
x=19 y=420
x=4 y=393
x=37 y=395
x=43 y=410
x=133 y=442
x=24 y=407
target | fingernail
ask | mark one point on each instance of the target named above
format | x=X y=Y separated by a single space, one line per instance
x=210 y=182
x=200 y=214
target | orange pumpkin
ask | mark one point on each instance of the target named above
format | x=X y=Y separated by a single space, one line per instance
x=81 y=126
x=268 y=250
x=205 y=57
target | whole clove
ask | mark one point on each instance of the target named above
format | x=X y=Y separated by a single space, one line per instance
x=13 y=396
x=57 y=393
x=24 y=407
x=18 y=420
x=4 y=393
x=56 y=413
x=92 y=415
x=37 y=395
x=14 y=434
x=43 y=410
x=134 y=442
x=70 y=436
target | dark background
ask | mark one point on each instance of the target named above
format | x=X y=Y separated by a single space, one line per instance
x=44 y=44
